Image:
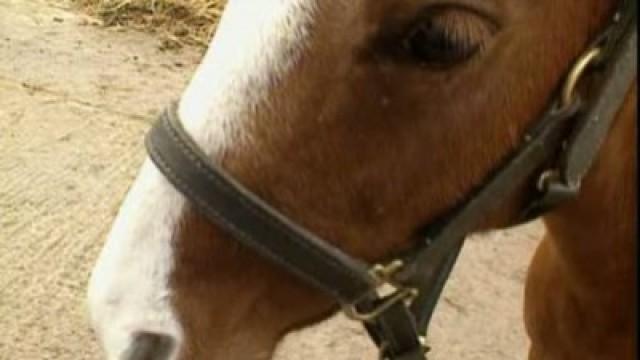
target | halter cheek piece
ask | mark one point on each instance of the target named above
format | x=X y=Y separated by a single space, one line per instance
x=395 y=300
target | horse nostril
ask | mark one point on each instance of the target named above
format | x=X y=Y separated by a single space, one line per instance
x=150 y=346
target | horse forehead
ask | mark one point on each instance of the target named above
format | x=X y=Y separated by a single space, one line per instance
x=255 y=44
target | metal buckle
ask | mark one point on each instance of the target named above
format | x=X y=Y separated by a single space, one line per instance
x=406 y=294
x=383 y=275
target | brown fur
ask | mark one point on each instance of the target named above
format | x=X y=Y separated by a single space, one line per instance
x=581 y=295
x=363 y=147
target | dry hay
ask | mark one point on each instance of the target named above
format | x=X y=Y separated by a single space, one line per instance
x=177 y=21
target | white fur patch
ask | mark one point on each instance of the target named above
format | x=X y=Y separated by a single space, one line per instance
x=257 y=42
x=128 y=290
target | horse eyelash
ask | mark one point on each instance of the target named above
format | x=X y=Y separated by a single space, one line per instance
x=469 y=33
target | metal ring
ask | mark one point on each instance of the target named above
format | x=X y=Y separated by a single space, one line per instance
x=583 y=63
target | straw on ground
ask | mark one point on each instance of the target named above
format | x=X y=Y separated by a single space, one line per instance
x=178 y=21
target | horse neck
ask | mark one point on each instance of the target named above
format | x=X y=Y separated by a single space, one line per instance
x=595 y=235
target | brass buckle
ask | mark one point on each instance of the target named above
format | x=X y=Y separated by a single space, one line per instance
x=406 y=294
x=383 y=275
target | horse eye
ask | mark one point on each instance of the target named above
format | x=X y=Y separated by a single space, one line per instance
x=446 y=37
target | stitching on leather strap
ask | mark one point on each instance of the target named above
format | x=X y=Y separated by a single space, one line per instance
x=167 y=170
x=202 y=167
x=193 y=156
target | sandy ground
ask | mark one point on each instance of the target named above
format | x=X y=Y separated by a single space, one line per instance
x=75 y=101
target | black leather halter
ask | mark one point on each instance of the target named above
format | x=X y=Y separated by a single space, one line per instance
x=395 y=300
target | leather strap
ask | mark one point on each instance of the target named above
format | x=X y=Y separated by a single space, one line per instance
x=428 y=266
x=618 y=69
x=395 y=333
x=430 y=291
x=625 y=16
x=255 y=224
x=590 y=133
x=260 y=227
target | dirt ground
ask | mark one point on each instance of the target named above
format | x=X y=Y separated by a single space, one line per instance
x=75 y=101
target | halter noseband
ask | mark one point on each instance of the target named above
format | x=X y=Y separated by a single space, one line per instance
x=395 y=300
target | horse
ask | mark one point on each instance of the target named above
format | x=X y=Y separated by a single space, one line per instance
x=363 y=121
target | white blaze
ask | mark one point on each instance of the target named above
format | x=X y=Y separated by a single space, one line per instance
x=256 y=43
